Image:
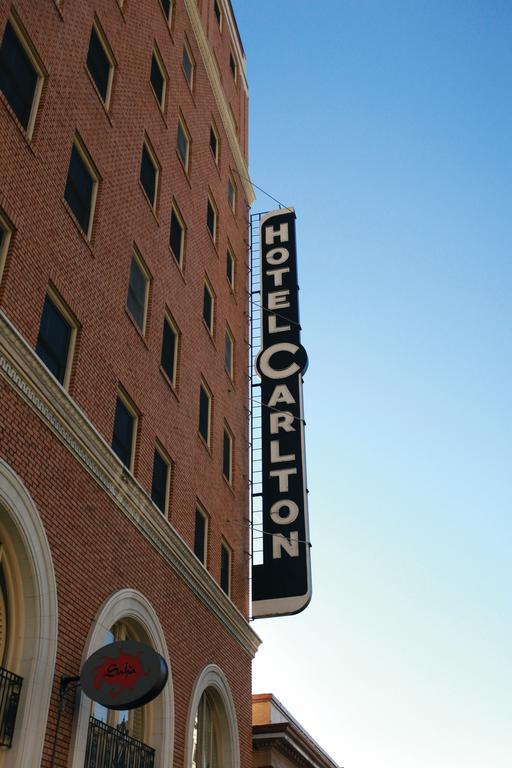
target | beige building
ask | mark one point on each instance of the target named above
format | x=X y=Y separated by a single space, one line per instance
x=279 y=741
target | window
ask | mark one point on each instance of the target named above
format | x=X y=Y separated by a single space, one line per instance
x=225 y=568
x=138 y=289
x=183 y=144
x=177 y=237
x=125 y=429
x=218 y=13
x=167 y=7
x=230 y=267
x=82 y=187
x=232 y=194
x=200 y=535
x=100 y=63
x=227 y=455
x=149 y=172
x=228 y=353
x=21 y=74
x=233 y=65
x=131 y=722
x=208 y=306
x=187 y=64
x=158 y=79
x=169 y=358
x=5 y=236
x=205 y=408
x=211 y=219
x=207 y=735
x=56 y=338
x=160 y=482
x=214 y=143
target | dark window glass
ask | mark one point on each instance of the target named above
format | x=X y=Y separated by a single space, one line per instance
x=230 y=268
x=217 y=11
x=210 y=219
x=232 y=65
x=226 y=456
x=200 y=536
x=166 y=5
x=182 y=145
x=98 y=64
x=1 y=238
x=148 y=175
x=136 y=301
x=159 y=484
x=224 y=568
x=214 y=145
x=176 y=237
x=18 y=77
x=204 y=414
x=168 y=359
x=187 y=65
x=231 y=195
x=53 y=340
x=79 y=189
x=157 y=80
x=122 y=438
x=208 y=308
x=228 y=354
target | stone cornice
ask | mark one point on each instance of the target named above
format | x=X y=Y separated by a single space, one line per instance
x=24 y=372
x=220 y=98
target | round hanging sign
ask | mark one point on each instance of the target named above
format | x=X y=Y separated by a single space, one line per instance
x=124 y=675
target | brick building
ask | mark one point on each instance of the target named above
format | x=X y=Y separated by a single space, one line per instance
x=123 y=377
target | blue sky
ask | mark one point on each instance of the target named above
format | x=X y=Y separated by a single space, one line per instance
x=388 y=126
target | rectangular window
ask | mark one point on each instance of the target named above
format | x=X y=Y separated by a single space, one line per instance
x=81 y=187
x=214 y=143
x=183 y=145
x=5 y=236
x=158 y=79
x=149 y=172
x=228 y=352
x=232 y=194
x=21 y=74
x=177 y=237
x=230 y=267
x=169 y=358
x=167 y=8
x=225 y=568
x=160 y=481
x=200 y=535
x=211 y=219
x=125 y=430
x=208 y=306
x=218 y=13
x=138 y=289
x=187 y=64
x=100 y=63
x=233 y=65
x=227 y=455
x=56 y=338
x=205 y=413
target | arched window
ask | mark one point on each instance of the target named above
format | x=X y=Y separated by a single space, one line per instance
x=206 y=736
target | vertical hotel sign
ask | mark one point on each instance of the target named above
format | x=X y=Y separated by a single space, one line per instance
x=281 y=585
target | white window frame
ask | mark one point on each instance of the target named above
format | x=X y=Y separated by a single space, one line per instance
x=111 y=58
x=130 y=406
x=162 y=104
x=35 y=60
x=235 y=73
x=168 y=462
x=95 y=175
x=210 y=328
x=156 y=164
x=71 y=320
x=199 y=508
x=8 y=229
x=176 y=331
x=190 y=82
x=220 y=20
x=181 y=260
x=228 y=335
x=182 y=124
x=230 y=253
x=207 y=441
x=214 y=236
x=136 y=254
x=230 y=568
x=232 y=204
x=215 y=155
x=229 y=433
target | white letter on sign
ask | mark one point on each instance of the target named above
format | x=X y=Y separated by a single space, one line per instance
x=280 y=542
x=272 y=232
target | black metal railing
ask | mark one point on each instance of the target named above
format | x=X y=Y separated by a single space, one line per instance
x=10 y=689
x=109 y=747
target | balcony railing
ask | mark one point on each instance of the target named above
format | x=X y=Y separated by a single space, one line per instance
x=10 y=689
x=109 y=747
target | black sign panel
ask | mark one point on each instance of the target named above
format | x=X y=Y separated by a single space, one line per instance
x=281 y=585
x=124 y=675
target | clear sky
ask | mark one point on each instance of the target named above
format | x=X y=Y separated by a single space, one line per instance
x=387 y=124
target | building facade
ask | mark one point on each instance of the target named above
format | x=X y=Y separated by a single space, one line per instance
x=279 y=741
x=124 y=199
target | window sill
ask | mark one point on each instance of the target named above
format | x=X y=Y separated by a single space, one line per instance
x=139 y=332
x=169 y=383
x=78 y=227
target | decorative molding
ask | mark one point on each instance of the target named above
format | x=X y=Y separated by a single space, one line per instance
x=218 y=92
x=29 y=378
